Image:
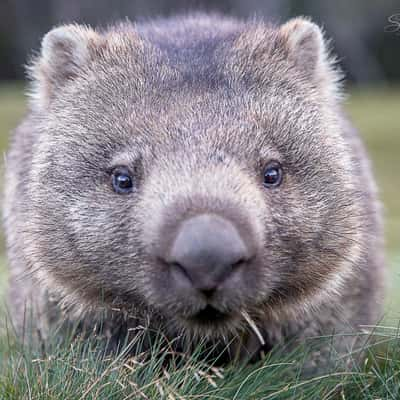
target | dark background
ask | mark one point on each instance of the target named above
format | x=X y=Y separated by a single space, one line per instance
x=367 y=42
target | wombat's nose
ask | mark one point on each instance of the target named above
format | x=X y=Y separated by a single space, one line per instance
x=207 y=249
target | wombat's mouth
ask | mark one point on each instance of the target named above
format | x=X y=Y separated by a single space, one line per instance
x=209 y=315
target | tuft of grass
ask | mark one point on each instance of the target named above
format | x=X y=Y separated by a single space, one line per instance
x=79 y=370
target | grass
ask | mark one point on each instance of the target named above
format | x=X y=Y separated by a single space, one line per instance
x=77 y=370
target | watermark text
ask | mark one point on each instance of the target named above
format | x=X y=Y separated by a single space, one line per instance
x=394 y=24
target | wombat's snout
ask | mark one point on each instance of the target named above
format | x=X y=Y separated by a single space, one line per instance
x=206 y=250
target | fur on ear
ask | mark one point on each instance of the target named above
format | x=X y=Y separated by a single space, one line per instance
x=307 y=48
x=297 y=47
x=65 y=52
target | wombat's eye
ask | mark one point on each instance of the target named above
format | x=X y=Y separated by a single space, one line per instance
x=122 y=181
x=272 y=174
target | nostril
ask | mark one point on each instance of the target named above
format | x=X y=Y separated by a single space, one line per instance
x=181 y=269
x=238 y=264
x=176 y=265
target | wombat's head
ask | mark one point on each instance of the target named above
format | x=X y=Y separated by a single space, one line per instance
x=196 y=174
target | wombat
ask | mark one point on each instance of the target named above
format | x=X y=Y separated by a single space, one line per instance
x=197 y=175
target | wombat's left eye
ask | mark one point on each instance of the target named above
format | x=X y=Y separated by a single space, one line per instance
x=272 y=174
x=122 y=181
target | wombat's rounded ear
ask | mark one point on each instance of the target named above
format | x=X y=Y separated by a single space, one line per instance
x=304 y=42
x=307 y=48
x=65 y=52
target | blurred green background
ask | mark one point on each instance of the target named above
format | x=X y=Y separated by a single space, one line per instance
x=365 y=35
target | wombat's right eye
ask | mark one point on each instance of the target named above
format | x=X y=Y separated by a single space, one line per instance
x=272 y=174
x=122 y=181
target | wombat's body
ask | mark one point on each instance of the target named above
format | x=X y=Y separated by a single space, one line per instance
x=192 y=173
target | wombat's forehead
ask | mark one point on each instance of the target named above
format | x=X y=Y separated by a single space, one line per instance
x=176 y=116
x=230 y=120
x=165 y=107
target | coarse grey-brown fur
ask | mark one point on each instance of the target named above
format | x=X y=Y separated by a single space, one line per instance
x=195 y=107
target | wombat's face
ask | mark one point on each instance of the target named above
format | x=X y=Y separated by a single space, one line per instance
x=199 y=188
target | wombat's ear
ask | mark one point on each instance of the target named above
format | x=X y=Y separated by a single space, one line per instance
x=65 y=52
x=307 y=48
